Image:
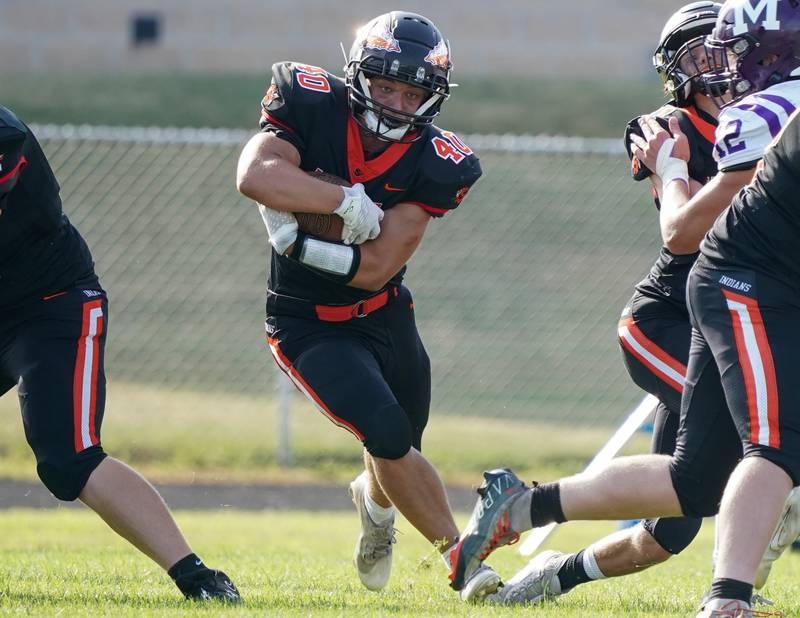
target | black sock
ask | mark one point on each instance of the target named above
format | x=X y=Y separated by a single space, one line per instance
x=573 y=573
x=722 y=588
x=186 y=566
x=546 y=505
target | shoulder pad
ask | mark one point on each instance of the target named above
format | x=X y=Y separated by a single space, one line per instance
x=638 y=171
x=745 y=131
x=747 y=127
x=10 y=124
x=447 y=157
x=448 y=168
x=299 y=100
x=296 y=84
x=665 y=111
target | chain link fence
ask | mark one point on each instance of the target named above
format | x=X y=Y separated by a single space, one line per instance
x=517 y=293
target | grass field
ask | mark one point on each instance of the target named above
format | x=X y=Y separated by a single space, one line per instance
x=296 y=564
x=479 y=104
x=174 y=435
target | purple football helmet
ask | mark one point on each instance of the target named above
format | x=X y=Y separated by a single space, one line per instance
x=680 y=57
x=755 y=44
x=405 y=47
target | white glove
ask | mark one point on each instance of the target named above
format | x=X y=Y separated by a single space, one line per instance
x=281 y=227
x=669 y=168
x=361 y=216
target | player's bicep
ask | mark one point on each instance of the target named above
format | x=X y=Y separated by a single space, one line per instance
x=717 y=194
x=259 y=153
x=402 y=229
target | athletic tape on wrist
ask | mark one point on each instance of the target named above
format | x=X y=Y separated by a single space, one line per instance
x=670 y=168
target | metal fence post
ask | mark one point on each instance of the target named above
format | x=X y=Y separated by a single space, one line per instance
x=285 y=390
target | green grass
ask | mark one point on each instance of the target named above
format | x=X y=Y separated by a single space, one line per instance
x=173 y=435
x=479 y=105
x=65 y=562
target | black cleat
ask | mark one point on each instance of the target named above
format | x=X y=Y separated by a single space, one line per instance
x=208 y=584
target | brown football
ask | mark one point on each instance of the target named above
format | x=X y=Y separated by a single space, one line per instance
x=326 y=227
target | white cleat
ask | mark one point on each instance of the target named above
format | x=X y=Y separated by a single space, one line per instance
x=785 y=534
x=535 y=583
x=373 y=553
x=732 y=608
x=481 y=584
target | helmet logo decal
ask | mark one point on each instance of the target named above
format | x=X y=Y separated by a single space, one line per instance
x=770 y=21
x=439 y=55
x=382 y=37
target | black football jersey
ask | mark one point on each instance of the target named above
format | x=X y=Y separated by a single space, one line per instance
x=761 y=229
x=40 y=251
x=667 y=278
x=308 y=107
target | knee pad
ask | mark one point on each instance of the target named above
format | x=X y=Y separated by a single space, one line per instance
x=699 y=496
x=66 y=479
x=390 y=436
x=674 y=534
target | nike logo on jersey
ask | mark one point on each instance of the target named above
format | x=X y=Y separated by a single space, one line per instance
x=389 y=187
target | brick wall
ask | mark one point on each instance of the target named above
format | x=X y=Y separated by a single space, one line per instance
x=524 y=37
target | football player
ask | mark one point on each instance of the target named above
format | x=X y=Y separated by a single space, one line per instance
x=53 y=324
x=654 y=330
x=744 y=295
x=340 y=322
x=752 y=53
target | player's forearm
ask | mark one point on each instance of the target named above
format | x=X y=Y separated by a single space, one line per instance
x=685 y=220
x=675 y=198
x=380 y=261
x=401 y=233
x=282 y=186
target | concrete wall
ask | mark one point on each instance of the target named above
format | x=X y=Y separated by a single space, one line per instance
x=584 y=38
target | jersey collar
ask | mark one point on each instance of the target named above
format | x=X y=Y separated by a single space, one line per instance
x=359 y=168
x=703 y=122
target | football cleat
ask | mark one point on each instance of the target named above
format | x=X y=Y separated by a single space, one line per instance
x=483 y=583
x=732 y=608
x=489 y=527
x=373 y=552
x=786 y=533
x=535 y=583
x=207 y=585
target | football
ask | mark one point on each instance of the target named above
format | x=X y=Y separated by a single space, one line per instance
x=326 y=227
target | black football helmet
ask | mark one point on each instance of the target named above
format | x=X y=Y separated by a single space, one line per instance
x=405 y=47
x=676 y=59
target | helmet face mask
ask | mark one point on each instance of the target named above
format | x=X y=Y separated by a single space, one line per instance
x=403 y=47
x=752 y=51
x=680 y=58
